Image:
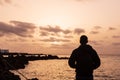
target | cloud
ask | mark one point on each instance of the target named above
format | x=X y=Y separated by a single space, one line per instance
x=0 y=2
x=52 y=39
x=16 y=40
x=116 y=44
x=97 y=27
x=66 y=31
x=5 y=1
x=49 y=28
x=94 y=32
x=68 y=36
x=58 y=32
x=54 y=31
x=95 y=42
x=79 y=31
x=1 y=34
x=111 y=28
x=22 y=29
x=116 y=36
x=44 y=33
x=82 y=0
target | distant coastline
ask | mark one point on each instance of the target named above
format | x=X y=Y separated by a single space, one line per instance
x=19 y=60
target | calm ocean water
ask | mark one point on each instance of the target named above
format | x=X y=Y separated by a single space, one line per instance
x=59 y=69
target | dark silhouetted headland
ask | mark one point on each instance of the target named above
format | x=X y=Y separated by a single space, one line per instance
x=19 y=60
x=16 y=60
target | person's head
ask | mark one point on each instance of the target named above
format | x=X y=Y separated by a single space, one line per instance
x=83 y=40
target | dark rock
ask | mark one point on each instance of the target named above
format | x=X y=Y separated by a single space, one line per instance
x=7 y=75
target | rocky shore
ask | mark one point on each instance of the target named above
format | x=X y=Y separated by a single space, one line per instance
x=15 y=61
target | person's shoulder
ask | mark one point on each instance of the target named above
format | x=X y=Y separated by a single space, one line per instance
x=89 y=46
x=76 y=49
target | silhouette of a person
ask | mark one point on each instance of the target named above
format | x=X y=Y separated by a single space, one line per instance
x=84 y=59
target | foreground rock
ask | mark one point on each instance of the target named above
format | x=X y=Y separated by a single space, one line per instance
x=7 y=75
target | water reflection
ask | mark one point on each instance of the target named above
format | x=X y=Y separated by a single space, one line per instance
x=59 y=69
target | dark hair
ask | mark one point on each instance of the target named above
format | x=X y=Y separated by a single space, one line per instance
x=83 y=39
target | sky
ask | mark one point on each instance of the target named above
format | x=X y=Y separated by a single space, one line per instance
x=54 y=26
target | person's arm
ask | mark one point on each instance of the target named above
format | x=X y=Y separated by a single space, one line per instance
x=72 y=60
x=96 y=59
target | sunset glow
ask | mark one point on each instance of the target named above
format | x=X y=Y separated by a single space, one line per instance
x=54 y=26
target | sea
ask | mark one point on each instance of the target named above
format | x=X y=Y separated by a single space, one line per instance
x=59 y=69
